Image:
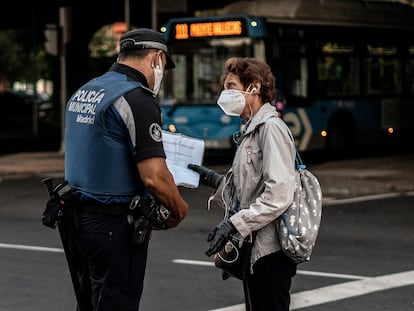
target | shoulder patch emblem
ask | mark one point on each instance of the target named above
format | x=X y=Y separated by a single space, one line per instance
x=155 y=132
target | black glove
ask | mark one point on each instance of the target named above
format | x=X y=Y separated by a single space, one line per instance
x=208 y=177
x=219 y=235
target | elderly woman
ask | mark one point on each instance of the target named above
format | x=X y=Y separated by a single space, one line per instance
x=263 y=179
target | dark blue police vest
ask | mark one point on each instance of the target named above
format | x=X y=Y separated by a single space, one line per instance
x=94 y=161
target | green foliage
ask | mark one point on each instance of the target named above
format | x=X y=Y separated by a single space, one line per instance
x=103 y=43
x=20 y=59
x=11 y=65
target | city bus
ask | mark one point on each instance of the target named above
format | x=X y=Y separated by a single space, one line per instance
x=344 y=70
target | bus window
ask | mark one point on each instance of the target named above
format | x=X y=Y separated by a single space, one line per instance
x=180 y=85
x=409 y=72
x=337 y=71
x=338 y=76
x=298 y=76
x=383 y=71
x=295 y=69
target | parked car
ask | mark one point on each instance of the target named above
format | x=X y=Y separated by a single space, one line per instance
x=17 y=111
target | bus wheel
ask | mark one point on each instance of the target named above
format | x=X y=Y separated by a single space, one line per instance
x=341 y=137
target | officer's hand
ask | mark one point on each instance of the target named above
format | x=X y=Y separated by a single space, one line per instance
x=208 y=177
x=219 y=235
x=172 y=221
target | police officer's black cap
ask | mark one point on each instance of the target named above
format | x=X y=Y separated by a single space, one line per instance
x=145 y=38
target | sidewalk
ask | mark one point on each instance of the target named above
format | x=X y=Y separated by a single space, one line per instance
x=366 y=176
x=339 y=179
x=24 y=164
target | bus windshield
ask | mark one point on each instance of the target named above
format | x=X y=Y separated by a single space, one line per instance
x=199 y=64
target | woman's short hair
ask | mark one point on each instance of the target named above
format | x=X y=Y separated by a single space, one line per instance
x=251 y=70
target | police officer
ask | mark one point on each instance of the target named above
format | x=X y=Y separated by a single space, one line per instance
x=114 y=152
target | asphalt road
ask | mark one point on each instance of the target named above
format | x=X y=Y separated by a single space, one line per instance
x=364 y=259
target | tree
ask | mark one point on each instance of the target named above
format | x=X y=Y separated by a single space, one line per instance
x=103 y=43
x=20 y=58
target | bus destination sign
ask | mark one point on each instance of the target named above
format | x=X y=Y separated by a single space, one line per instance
x=184 y=31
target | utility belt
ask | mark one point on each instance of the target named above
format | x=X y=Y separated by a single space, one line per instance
x=143 y=213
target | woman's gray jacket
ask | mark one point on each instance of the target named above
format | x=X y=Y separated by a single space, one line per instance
x=264 y=180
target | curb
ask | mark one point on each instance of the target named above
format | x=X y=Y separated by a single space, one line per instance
x=26 y=164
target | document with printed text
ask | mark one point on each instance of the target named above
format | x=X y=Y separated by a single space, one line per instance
x=182 y=150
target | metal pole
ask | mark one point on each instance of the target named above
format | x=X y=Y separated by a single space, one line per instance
x=154 y=8
x=35 y=76
x=127 y=14
x=64 y=23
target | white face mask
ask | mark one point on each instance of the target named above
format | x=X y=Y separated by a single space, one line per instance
x=158 y=75
x=232 y=101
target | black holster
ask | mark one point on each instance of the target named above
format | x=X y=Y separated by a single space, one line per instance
x=146 y=214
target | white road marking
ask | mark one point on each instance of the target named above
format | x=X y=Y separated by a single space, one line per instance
x=350 y=289
x=332 y=275
x=367 y=198
x=32 y=248
x=303 y=272
x=363 y=285
x=342 y=291
x=194 y=262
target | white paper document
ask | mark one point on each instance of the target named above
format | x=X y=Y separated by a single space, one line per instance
x=182 y=150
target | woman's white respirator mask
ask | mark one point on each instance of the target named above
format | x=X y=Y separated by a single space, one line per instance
x=232 y=101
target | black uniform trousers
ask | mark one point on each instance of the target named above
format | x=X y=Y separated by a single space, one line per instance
x=270 y=282
x=116 y=267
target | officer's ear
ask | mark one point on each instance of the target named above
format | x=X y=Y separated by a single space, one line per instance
x=161 y=56
x=155 y=59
